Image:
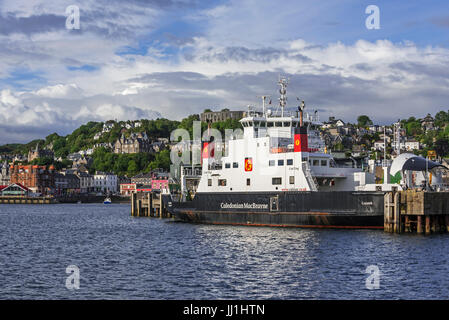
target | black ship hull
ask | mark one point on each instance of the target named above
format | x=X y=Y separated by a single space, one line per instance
x=344 y=209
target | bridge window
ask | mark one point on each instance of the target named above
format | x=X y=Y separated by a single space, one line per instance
x=287 y=124
x=278 y=124
x=271 y=163
x=316 y=162
x=227 y=165
x=270 y=124
x=235 y=165
x=280 y=162
x=289 y=162
x=324 y=163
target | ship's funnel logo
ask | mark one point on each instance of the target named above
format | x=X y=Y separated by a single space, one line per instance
x=248 y=164
x=208 y=150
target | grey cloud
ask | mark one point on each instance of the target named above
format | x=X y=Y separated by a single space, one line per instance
x=28 y=25
x=242 y=54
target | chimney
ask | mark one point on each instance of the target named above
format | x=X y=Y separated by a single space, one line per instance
x=301 y=143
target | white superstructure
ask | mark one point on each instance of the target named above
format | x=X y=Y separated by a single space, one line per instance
x=276 y=153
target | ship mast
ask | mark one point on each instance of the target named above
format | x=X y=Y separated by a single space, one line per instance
x=264 y=98
x=283 y=91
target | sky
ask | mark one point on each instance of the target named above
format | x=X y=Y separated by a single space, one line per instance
x=171 y=58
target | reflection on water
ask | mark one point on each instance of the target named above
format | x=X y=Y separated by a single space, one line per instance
x=120 y=257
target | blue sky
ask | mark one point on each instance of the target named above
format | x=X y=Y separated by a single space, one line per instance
x=170 y=58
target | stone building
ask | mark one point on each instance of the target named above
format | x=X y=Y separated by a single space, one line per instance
x=137 y=142
x=142 y=178
x=428 y=123
x=39 y=153
x=39 y=179
x=66 y=183
x=4 y=174
x=223 y=115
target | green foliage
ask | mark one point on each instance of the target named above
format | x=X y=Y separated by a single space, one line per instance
x=46 y=161
x=364 y=121
x=120 y=164
x=162 y=160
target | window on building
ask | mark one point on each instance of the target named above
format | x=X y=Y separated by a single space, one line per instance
x=235 y=164
x=280 y=162
x=271 y=163
x=292 y=179
x=248 y=182
x=289 y=162
x=221 y=182
x=227 y=165
x=276 y=181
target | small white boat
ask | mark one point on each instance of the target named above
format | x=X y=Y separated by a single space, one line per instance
x=107 y=201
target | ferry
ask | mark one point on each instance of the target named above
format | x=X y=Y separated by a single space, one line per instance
x=107 y=201
x=280 y=174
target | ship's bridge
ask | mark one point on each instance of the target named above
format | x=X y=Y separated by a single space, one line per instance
x=280 y=130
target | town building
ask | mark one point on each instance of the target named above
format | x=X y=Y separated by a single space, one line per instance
x=160 y=181
x=142 y=178
x=223 y=115
x=4 y=174
x=127 y=188
x=87 y=183
x=428 y=123
x=39 y=153
x=39 y=179
x=66 y=183
x=105 y=182
x=14 y=189
x=135 y=143
x=410 y=145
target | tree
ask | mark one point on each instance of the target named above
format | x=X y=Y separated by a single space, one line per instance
x=364 y=121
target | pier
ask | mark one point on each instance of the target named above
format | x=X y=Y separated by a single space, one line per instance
x=418 y=212
x=25 y=200
x=148 y=204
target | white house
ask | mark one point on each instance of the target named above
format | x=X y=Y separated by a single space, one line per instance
x=410 y=145
x=105 y=182
x=379 y=145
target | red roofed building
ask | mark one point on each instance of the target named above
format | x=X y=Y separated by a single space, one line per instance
x=15 y=189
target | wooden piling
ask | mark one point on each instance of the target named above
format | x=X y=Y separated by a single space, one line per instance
x=427 y=224
x=419 y=227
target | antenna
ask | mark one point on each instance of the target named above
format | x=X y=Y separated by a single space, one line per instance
x=264 y=98
x=283 y=82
